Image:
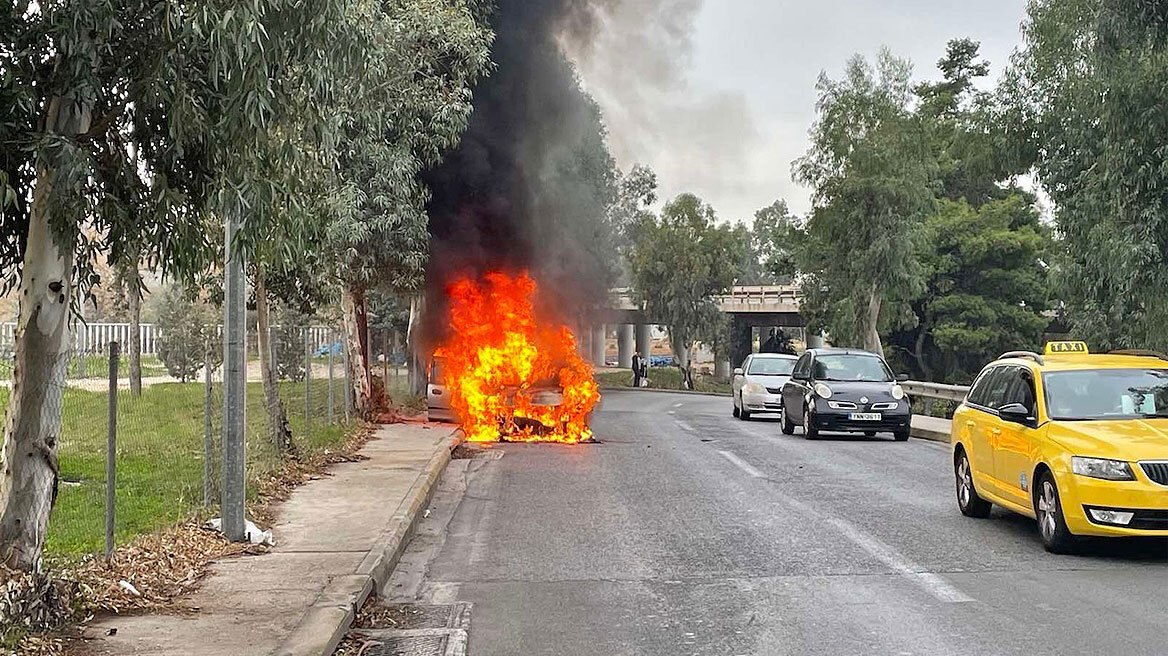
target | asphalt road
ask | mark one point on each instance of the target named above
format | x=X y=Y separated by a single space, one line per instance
x=689 y=532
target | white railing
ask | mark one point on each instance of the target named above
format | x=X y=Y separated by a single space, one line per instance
x=93 y=337
x=760 y=295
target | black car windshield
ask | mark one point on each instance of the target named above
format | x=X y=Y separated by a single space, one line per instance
x=852 y=368
x=1106 y=394
x=771 y=366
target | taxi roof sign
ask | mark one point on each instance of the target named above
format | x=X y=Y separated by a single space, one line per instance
x=1065 y=348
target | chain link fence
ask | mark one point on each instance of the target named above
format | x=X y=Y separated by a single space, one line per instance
x=167 y=438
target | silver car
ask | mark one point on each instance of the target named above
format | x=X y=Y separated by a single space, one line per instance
x=758 y=385
x=437 y=396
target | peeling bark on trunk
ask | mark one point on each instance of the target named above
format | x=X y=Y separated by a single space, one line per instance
x=28 y=482
x=681 y=352
x=278 y=429
x=133 y=347
x=871 y=321
x=416 y=359
x=353 y=305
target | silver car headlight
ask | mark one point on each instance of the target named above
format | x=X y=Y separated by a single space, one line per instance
x=897 y=392
x=753 y=388
x=1108 y=470
x=823 y=390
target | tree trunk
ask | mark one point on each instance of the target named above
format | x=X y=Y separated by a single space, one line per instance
x=354 y=307
x=28 y=483
x=278 y=428
x=919 y=353
x=133 y=347
x=416 y=359
x=871 y=323
x=681 y=352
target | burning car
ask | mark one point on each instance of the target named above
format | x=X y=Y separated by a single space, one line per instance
x=508 y=374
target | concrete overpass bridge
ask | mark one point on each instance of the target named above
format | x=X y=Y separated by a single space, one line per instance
x=750 y=308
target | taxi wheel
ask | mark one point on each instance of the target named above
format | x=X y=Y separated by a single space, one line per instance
x=1056 y=537
x=968 y=500
x=809 y=430
x=788 y=426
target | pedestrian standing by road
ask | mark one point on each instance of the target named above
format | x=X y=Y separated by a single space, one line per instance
x=638 y=364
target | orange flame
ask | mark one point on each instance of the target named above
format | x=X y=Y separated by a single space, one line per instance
x=509 y=375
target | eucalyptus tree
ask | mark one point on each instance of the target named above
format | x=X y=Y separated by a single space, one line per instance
x=197 y=88
x=410 y=104
x=872 y=172
x=680 y=261
x=1085 y=99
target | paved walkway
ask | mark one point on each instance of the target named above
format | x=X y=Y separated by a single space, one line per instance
x=329 y=532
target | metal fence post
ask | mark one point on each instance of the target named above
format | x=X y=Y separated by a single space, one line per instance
x=385 y=361
x=208 y=443
x=332 y=340
x=234 y=385
x=307 y=379
x=111 y=453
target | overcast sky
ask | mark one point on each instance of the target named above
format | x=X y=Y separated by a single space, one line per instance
x=733 y=112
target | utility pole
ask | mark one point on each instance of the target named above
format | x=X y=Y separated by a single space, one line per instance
x=234 y=381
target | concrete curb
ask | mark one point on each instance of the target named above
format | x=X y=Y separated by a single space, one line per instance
x=655 y=390
x=331 y=616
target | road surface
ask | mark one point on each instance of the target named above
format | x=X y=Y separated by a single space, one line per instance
x=689 y=532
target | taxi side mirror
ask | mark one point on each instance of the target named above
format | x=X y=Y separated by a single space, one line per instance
x=738 y=371
x=1016 y=413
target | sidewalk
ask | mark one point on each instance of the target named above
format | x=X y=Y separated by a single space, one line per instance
x=336 y=540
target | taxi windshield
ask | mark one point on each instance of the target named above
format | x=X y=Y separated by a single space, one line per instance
x=852 y=368
x=771 y=366
x=1106 y=394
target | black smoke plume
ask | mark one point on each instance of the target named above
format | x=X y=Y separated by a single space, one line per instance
x=528 y=187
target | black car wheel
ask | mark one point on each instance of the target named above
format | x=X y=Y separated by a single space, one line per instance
x=788 y=426
x=968 y=501
x=744 y=414
x=736 y=410
x=902 y=435
x=1056 y=537
x=809 y=430
x=870 y=433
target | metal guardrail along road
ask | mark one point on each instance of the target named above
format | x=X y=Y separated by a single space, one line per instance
x=936 y=390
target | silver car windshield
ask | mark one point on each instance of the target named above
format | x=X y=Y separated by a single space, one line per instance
x=771 y=367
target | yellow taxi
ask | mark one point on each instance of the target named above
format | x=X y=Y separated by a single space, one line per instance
x=1076 y=440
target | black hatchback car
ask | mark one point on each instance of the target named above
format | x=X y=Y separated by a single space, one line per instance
x=845 y=390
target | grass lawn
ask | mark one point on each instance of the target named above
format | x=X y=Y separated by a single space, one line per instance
x=668 y=378
x=160 y=455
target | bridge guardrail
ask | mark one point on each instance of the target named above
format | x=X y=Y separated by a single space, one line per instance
x=936 y=390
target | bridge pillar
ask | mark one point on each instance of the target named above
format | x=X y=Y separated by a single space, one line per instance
x=741 y=341
x=815 y=341
x=645 y=342
x=599 y=344
x=624 y=345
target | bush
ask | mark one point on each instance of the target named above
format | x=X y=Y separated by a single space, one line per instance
x=187 y=334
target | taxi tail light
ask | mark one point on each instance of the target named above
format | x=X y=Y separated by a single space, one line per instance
x=1115 y=517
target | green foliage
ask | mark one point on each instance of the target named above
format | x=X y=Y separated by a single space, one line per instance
x=680 y=261
x=986 y=287
x=778 y=240
x=1086 y=99
x=872 y=170
x=289 y=340
x=186 y=335
x=410 y=105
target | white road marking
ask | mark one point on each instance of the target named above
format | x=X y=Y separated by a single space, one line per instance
x=742 y=464
x=678 y=405
x=873 y=546
x=685 y=425
x=898 y=562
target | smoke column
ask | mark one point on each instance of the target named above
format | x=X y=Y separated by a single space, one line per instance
x=528 y=186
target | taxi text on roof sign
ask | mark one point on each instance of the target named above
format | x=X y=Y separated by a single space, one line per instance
x=1058 y=348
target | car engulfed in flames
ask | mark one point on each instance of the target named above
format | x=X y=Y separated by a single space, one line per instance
x=510 y=375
